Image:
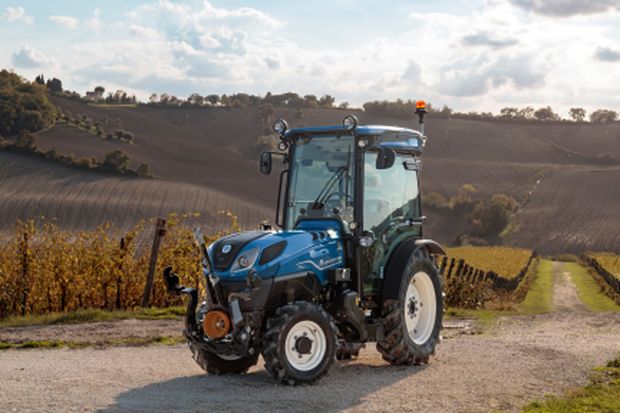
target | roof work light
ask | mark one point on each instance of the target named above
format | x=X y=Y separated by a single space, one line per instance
x=349 y=122
x=280 y=126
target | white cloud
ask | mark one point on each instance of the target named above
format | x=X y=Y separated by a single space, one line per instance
x=144 y=32
x=27 y=57
x=95 y=23
x=65 y=21
x=14 y=14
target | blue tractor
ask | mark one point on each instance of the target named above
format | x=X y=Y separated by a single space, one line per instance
x=349 y=264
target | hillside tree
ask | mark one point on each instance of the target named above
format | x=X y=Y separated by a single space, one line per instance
x=24 y=105
x=212 y=99
x=509 y=113
x=526 y=113
x=327 y=101
x=196 y=99
x=577 y=114
x=546 y=114
x=603 y=116
x=54 y=85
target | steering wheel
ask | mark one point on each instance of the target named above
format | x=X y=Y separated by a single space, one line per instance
x=337 y=203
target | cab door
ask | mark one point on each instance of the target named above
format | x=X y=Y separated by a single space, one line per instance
x=391 y=213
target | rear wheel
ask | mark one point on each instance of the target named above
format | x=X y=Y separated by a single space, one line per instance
x=219 y=365
x=412 y=323
x=300 y=343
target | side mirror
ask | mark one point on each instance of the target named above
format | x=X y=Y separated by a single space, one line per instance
x=265 y=163
x=385 y=158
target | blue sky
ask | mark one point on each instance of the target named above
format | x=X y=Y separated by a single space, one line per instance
x=468 y=54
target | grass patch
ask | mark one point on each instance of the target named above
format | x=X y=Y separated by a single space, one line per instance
x=589 y=291
x=94 y=315
x=123 y=342
x=539 y=298
x=601 y=395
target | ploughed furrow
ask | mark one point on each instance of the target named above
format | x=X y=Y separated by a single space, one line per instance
x=31 y=188
x=572 y=210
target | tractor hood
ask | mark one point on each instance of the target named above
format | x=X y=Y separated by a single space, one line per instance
x=315 y=248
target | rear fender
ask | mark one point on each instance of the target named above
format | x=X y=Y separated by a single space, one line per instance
x=412 y=247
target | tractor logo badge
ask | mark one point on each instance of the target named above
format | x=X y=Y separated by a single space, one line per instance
x=226 y=248
x=318 y=253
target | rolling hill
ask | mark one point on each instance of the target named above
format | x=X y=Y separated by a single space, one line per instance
x=205 y=160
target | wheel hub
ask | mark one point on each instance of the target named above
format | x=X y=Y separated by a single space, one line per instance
x=413 y=307
x=303 y=345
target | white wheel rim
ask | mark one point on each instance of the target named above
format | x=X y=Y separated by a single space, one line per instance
x=420 y=308
x=310 y=360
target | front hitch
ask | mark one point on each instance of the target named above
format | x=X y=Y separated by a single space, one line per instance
x=173 y=287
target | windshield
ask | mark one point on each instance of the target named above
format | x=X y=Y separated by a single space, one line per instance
x=321 y=183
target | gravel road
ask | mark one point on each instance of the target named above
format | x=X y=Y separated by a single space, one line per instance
x=520 y=359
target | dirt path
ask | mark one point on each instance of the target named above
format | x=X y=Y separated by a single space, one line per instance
x=565 y=298
x=520 y=359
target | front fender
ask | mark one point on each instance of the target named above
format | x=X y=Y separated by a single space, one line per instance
x=398 y=260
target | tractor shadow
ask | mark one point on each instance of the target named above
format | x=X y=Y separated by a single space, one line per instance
x=346 y=386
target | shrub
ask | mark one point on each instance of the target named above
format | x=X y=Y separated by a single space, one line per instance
x=489 y=218
x=435 y=200
x=26 y=140
x=144 y=171
x=117 y=161
x=87 y=162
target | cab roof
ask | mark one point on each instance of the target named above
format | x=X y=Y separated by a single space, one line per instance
x=360 y=130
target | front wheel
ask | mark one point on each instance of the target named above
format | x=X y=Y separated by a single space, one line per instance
x=300 y=343
x=412 y=324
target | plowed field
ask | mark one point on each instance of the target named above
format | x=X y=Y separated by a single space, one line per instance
x=205 y=160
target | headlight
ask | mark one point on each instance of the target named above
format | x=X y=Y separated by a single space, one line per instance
x=245 y=260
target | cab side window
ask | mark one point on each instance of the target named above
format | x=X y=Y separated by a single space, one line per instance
x=389 y=194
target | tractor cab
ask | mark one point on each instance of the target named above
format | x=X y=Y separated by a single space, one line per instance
x=363 y=178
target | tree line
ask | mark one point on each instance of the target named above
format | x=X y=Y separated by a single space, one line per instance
x=400 y=108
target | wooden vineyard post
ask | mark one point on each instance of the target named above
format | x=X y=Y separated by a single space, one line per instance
x=160 y=231
x=442 y=267
x=25 y=274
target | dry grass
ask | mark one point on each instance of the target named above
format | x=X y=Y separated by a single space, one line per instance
x=505 y=261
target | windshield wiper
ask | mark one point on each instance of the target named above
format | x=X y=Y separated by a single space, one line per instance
x=322 y=196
